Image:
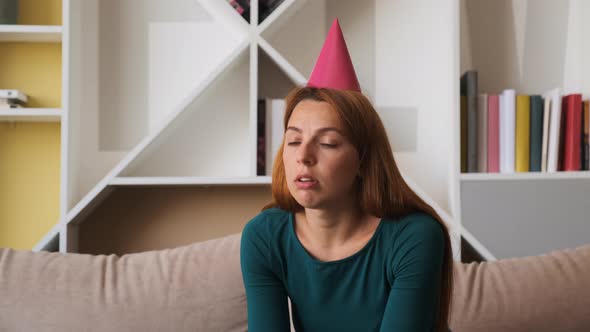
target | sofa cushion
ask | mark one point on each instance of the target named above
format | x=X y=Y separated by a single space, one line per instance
x=191 y=288
x=548 y=292
x=199 y=288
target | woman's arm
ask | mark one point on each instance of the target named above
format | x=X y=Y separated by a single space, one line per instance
x=266 y=296
x=417 y=260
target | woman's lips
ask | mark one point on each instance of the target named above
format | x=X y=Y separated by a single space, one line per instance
x=306 y=184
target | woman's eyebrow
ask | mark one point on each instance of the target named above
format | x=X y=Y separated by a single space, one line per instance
x=318 y=131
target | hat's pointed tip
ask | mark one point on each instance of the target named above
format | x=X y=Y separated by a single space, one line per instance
x=333 y=68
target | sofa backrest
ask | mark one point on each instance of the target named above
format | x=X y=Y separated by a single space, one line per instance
x=199 y=288
x=191 y=288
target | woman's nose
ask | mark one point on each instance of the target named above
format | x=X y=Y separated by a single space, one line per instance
x=305 y=154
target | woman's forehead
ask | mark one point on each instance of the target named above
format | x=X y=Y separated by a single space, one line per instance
x=315 y=113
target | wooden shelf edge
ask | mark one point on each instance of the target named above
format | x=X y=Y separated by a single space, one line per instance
x=189 y=181
x=525 y=176
x=30 y=33
x=31 y=114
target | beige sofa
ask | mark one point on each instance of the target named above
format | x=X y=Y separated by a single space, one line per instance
x=199 y=288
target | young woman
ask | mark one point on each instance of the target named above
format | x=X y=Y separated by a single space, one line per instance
x=344 y=238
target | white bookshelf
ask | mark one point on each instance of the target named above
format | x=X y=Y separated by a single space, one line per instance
x=140 y=111
x=31 y=114
x=532 y=47
x=30 y=33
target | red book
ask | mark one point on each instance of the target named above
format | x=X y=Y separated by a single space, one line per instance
x=493 y=134
x=573 y=132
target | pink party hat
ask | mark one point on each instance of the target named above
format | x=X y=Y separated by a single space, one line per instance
x=334 y=69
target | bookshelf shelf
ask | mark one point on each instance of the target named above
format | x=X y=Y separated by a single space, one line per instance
x=189 y=181
x=31 y=114
x=525 y=213
x=30 y=33
x=525 y=176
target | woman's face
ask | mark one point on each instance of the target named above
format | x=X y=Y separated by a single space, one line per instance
x=321 y=164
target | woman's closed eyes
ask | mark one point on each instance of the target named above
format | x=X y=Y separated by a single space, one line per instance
x=326 y=145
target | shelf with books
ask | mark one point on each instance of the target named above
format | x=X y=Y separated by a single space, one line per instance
x=524 y=159
x=30 y=33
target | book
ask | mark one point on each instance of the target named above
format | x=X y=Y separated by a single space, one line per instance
x=493 y=134
x=522 y=133
x=242 y=7
x=266 y=7
x=482 y=133
x=572 y=136
x=561 y=139
x=536 y=133
x=507 y=130
x=274 y=130
x=260 y=135
x=586 y=138
x=554 y=96
x=463 y=134
x=545 y=142
x=469 y=89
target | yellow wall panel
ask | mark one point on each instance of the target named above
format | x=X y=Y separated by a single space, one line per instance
x=39 y=12
x=29 y=182
x=35 y=69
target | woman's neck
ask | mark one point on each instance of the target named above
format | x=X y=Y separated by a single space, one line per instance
x=331 y=229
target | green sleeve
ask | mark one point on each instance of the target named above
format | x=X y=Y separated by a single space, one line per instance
x=268 y=309
x=417 y=258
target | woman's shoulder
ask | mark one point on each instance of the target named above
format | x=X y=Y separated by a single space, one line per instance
x=416 y=226
x=267 y=221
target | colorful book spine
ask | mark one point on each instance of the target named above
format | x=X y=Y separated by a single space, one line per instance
x=522 y=139
x=482 y=133
x=536 y=133
x=586 y=139
x=469 y=89
x=546 y=117
x=493 y=134
x=573 y=134
x=554 y=129
x=507 y=130
x=463 y=134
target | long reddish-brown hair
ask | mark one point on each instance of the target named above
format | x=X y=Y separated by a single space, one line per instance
x=382 y=191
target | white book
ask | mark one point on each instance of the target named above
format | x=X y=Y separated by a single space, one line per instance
x=554 y=126
x=274 y=131
x=507 y=130
x=13 y=94
x=482 y=133
x=546 y=116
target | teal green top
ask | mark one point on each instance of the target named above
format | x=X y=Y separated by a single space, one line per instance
x=391 y=284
